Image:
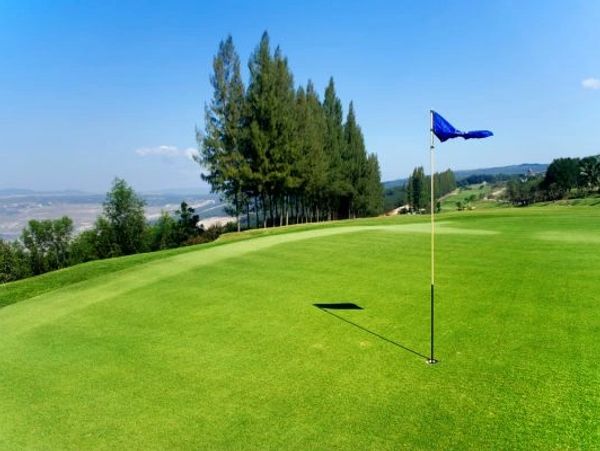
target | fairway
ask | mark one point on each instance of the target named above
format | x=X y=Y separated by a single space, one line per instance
x=222 y=346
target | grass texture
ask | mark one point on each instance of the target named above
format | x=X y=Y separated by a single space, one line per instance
x=221 y=346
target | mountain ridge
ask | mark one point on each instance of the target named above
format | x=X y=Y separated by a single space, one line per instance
x=514 y=169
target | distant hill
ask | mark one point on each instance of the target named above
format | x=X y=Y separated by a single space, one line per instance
x=514 y=169
x=15 y=191
x=394 y=183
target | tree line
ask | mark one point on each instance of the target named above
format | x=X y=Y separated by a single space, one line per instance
x=565 y=177
x=419 y=190
x=276 y=153
x=478 y=179
x=416 y=192
x=122 y=229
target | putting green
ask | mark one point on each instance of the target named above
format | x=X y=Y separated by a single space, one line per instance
x=61 y=302
x=222 y=347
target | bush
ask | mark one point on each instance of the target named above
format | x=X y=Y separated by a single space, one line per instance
x=206 y=236
x=14 y=264
x=84 y=247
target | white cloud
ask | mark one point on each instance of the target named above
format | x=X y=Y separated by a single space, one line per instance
x=591 y=83
x=167 y=152
x=190 y=153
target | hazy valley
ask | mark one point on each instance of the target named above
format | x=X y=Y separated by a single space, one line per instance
x=19 y=206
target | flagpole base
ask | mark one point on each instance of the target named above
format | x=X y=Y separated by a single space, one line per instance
x=431 y=361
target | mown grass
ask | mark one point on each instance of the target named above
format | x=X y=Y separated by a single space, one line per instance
x=20 y=290
x=34 y=286
x=222 y=347
x=592 y=200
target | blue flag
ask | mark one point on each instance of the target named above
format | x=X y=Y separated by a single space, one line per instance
x=444 y=130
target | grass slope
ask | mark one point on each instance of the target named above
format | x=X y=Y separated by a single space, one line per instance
x=35 y=286
x=464 y=194
x=221 y=346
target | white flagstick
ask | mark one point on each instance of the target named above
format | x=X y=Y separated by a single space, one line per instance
x=432 y=359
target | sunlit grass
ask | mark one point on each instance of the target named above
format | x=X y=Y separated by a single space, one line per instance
x=221 y=346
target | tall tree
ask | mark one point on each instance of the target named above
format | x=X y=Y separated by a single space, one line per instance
x=221 y=151
x=334 y=142
x=285 y=145
x=312 y=164
x=124 y=213
x=561 y=176
x=354 y=164
x=270 y=119
x=417 y=188
x=260 y=123
x=187 y=223
x=47 y=243
x=589 y=171
x=374 y=188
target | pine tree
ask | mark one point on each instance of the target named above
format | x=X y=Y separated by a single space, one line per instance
x=374 y=188
x=221 y=146
x=334 y=141
x=285 y=143
x=354 y=164
x=312 y=165
x=278 y=151
x=417 y=187
x=260 y=123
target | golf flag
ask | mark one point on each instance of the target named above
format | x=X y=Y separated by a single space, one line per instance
x=444 y=130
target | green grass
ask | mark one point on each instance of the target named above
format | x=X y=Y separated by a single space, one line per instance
x=35 y=286
x=590 y=201
x=220 y=346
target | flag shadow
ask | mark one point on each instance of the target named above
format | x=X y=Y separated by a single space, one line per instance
x=351 y=306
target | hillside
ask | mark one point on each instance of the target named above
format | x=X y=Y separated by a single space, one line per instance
x=224 y=344
x=461 y=174
x=516 y=169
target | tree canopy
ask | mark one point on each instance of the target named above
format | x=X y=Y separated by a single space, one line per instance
x=274 y=151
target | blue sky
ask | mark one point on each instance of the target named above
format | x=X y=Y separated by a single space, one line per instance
x=94 y=90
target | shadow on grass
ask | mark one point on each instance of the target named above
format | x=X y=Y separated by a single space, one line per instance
x=351 y=306
x=339 y=306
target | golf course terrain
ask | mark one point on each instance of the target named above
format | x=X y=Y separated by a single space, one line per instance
x=221 y=346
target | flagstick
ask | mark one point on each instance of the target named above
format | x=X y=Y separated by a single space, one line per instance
x=431 y=358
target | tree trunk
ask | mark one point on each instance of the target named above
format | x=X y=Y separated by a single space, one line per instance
x=237 y=210
x=287 y=212
x=256 y=211
x=271 y=210
x=294 y=208
x=248 y=214
x=281 y=207
x=264 y=209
